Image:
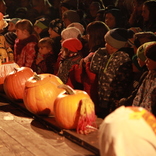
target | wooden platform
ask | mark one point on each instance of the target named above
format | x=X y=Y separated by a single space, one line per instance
x=23 y=133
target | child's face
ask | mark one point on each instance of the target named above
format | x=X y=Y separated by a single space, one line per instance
x=145 y=13
x=108 y=48
x=151 y=65
x=140 y=62
x=11 y=27
x=52 y=33
x=44 y=50
x=20 y=34
x=37 y=29
x=64 y=52
x=110 y=20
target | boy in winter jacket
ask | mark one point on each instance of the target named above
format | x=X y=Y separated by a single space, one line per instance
x=114 y=69
x=146 y=95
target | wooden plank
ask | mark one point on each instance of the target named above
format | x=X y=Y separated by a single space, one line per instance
x=89 y=142
x=20 y=135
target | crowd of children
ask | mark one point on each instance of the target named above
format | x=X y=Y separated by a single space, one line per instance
x=108 y=50
x=90 y=46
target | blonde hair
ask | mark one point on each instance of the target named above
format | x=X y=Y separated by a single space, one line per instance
x=25 y=24
x=46 y=42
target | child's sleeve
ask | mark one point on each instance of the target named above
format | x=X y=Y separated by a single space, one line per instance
x=98 y=58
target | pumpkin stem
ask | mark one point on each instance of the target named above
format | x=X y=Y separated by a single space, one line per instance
x=15 y=69
x=36 y=77
x=67 y=88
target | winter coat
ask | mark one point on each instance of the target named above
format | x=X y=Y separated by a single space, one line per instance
x=114 y=75
x=146 y=95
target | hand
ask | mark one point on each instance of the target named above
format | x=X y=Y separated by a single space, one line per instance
x=88 y=57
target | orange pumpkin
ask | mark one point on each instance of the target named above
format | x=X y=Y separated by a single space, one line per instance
x=14 y=82
x=40 y=93
x=5 y=69
x=74 y=110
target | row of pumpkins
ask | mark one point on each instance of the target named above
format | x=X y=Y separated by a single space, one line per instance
x=45 y=94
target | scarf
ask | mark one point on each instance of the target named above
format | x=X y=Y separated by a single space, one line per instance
x=66 y=66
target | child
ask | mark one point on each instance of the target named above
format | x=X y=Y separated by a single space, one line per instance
x=70 y=32
x=95 y=32
x=25 y=44
x=41 y=27
x=114 y=69
x=138 y=77
x=114 y=18
x=45 y=63
x=71 y=57
x=10 y=39
x=12 y=23
x=55 y=28
x=146 y=95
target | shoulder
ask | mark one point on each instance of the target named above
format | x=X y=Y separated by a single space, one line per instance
x=101 y=52
x=122 y=54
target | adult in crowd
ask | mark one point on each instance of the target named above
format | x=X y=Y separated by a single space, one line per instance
x=149 y=14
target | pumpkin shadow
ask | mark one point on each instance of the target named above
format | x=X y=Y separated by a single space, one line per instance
x=7 y=106
x=44 y=112
x=43 y=130
x=55 y=138
x=13 y=110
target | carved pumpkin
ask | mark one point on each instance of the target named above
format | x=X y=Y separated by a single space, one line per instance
x=74 y=110
x=5 y=69
x=14 y=82
x=40 y=93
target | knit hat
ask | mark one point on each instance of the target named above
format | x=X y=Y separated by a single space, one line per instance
x=14 y=20
x=57 y=25
x=127 y=131
x=117 y=37
x=134 y=30
x=71 y=15
x=42 y=23
x=72 y=44
x=143 y=37
x=70 y=32
x=10 y=37
x=78 y=26
x=150 y=51
x=141 y=50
